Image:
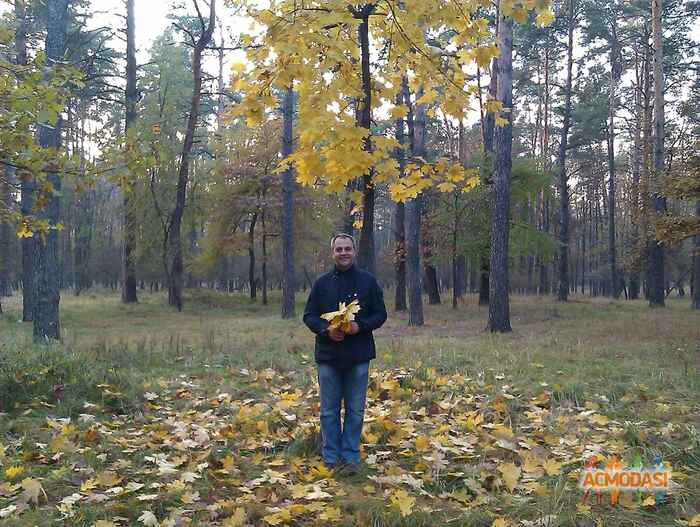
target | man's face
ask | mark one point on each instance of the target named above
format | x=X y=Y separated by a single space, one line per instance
x=343 y=253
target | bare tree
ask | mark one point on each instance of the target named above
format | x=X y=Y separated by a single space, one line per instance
x=174 y=247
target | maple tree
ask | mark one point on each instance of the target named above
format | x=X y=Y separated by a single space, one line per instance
x=313 y=48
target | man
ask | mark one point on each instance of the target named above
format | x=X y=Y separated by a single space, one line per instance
x=343 y=358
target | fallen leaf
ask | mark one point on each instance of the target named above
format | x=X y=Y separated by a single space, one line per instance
x=401 y=500
x=236 y=520
x=149 y=519
x=552 y=467
x=511 y=474
x=32 y=489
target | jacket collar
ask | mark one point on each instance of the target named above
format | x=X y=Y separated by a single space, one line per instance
x=338 y=272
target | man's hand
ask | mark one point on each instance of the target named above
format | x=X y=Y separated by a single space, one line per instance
x=336 y=334
x=354 y=328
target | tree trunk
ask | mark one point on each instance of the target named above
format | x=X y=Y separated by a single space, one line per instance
x=174 y=245
x=288 y=285
x=27 y=185
x=636 y=168
x=427 y=244
x=366 y=258
x=563 y=293
x=545 y=285
x=488 y=128
x=413 y=271
x=696 y=263
x=263 y=269
x=84 y=221
x=413 y=215
x=399 y=219
x=656 y=276
x=614 y=77
x=5 y=236
x=251 y=256
x=455 y=268
x=499 y=309
x=47 y=325
x=130 y=221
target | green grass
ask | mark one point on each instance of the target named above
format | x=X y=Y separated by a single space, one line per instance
x=635 y=365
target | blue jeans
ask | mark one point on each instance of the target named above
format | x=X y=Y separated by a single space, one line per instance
x=350 y=386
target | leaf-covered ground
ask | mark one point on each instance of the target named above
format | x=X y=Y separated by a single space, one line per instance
x=445 y=443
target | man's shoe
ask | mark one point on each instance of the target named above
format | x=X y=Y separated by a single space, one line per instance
x=351 y=469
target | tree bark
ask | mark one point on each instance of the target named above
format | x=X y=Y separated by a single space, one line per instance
x=366 y=258
x=427 y=244
x=46 y=322
x=636 y=168
x=656 y=276
x=288 y=285
x=614 y=77
x=499 y=308
x=413 y=271
x=564 y=213
x=251 y=256
x=263 y=269
x=413 y=216
x=489 y=128
x=696 y=263
x=5 y=236
x=27 y=185
x=174 y=245
x=399 y=219
x=128 y=264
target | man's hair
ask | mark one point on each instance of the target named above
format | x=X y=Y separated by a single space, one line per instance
x=342 y=235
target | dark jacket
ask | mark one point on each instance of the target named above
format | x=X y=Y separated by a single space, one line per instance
x=344 y=286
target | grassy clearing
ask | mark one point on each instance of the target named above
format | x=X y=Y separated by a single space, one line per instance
x=153 y=395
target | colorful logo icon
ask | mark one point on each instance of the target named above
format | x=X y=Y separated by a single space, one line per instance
x=613 y=478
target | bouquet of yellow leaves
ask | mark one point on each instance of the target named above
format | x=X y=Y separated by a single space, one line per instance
x=342 y=318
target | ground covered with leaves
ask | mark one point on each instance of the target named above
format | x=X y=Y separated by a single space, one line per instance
x=212 y=419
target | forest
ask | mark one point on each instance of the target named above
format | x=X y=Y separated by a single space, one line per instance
x=521 y=176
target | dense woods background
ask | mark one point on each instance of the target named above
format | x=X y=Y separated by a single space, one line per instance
x=166 y=173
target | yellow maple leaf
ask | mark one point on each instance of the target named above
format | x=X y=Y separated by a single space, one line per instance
x=330 y=514
x=23 y=230
x=500 y=522
x=107 y=478
x=32 y=489
x=149 y=519
x=694 y=521
x=237 y=519
x=519 y=15
x=446 y=186
x=345 y=314
x=649 y=501
x=544 y=17
x=402 y=501
x=511 y=475
x=13 y=471
x=422 y=443
x=552 y=467
x=582 y=508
